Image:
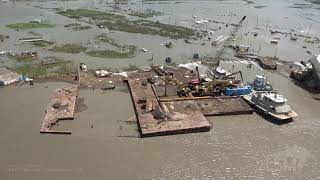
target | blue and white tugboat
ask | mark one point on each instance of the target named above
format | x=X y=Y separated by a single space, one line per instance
x=260 y=84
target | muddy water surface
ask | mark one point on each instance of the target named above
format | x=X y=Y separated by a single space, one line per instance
x=104 y=146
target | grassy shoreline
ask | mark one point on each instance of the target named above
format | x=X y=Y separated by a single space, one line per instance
x=39 y=71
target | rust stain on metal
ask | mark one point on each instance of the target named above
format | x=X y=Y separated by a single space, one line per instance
x=61 y=107
x=159 y=121
x=211 y=106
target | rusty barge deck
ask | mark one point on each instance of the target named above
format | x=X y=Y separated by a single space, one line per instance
x=211 y=106
x=155 y=120
x=61 y=107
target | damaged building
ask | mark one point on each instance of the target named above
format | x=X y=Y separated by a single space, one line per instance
x=309 y=73
x=8 y=77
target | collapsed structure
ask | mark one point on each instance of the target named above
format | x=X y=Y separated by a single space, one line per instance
x=309 y=73
x=8 y=77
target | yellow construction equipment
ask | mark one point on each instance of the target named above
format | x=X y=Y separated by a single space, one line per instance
x=216 y=86
x=183 y=89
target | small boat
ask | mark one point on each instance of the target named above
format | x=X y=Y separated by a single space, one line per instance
x=196 y=56
x=219 y=72
x=103 y=73
x=3 y=52
x=187 y=41
x=260 y=84
x=273 y=31
x=271 y=104
x=168 y=59
x=83 y=67
x=143 y=50
x=274 y=41
x=293 y=38
x=169 y=44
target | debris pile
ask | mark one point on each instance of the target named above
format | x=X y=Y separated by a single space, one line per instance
x=8 y=77
x=24 y=56
x=309 y=73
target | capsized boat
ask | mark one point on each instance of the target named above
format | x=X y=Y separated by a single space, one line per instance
x=271 y=104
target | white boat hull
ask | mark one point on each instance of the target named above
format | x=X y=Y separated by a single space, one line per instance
x=290 y=115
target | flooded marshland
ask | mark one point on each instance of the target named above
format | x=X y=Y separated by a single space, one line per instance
x=104 y=143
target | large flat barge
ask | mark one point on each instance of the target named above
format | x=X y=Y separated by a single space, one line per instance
x=155 y=120
x=61 y=107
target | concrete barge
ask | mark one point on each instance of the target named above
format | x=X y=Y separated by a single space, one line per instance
x=155 y=120
x=8 y=77
x=61 y=107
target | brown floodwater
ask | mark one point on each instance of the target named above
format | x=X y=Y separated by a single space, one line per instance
x=237 y=147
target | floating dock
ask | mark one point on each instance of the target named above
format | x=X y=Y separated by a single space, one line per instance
x=211 y=106
x=155 y=120
x=61 y=107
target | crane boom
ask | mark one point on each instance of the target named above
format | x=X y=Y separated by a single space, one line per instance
x=227 y=42
x=238 y=72
x=232 y=35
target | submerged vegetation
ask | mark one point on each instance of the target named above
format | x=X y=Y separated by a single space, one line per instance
x=69 y=48
x=131 y=67
x=31 y=70
x=30 y=25
x=260 y=7
x=128 y=52
x=81 y=28
x=23 y=58
x=72 y=25
x=105 y=38
x=42 y=43
x=146 y=14
x=125 y=51
x=47 y=70
x=34 y=33
x=93 y=14
x=314 y=1
x=77 y=27
x=121 y=23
